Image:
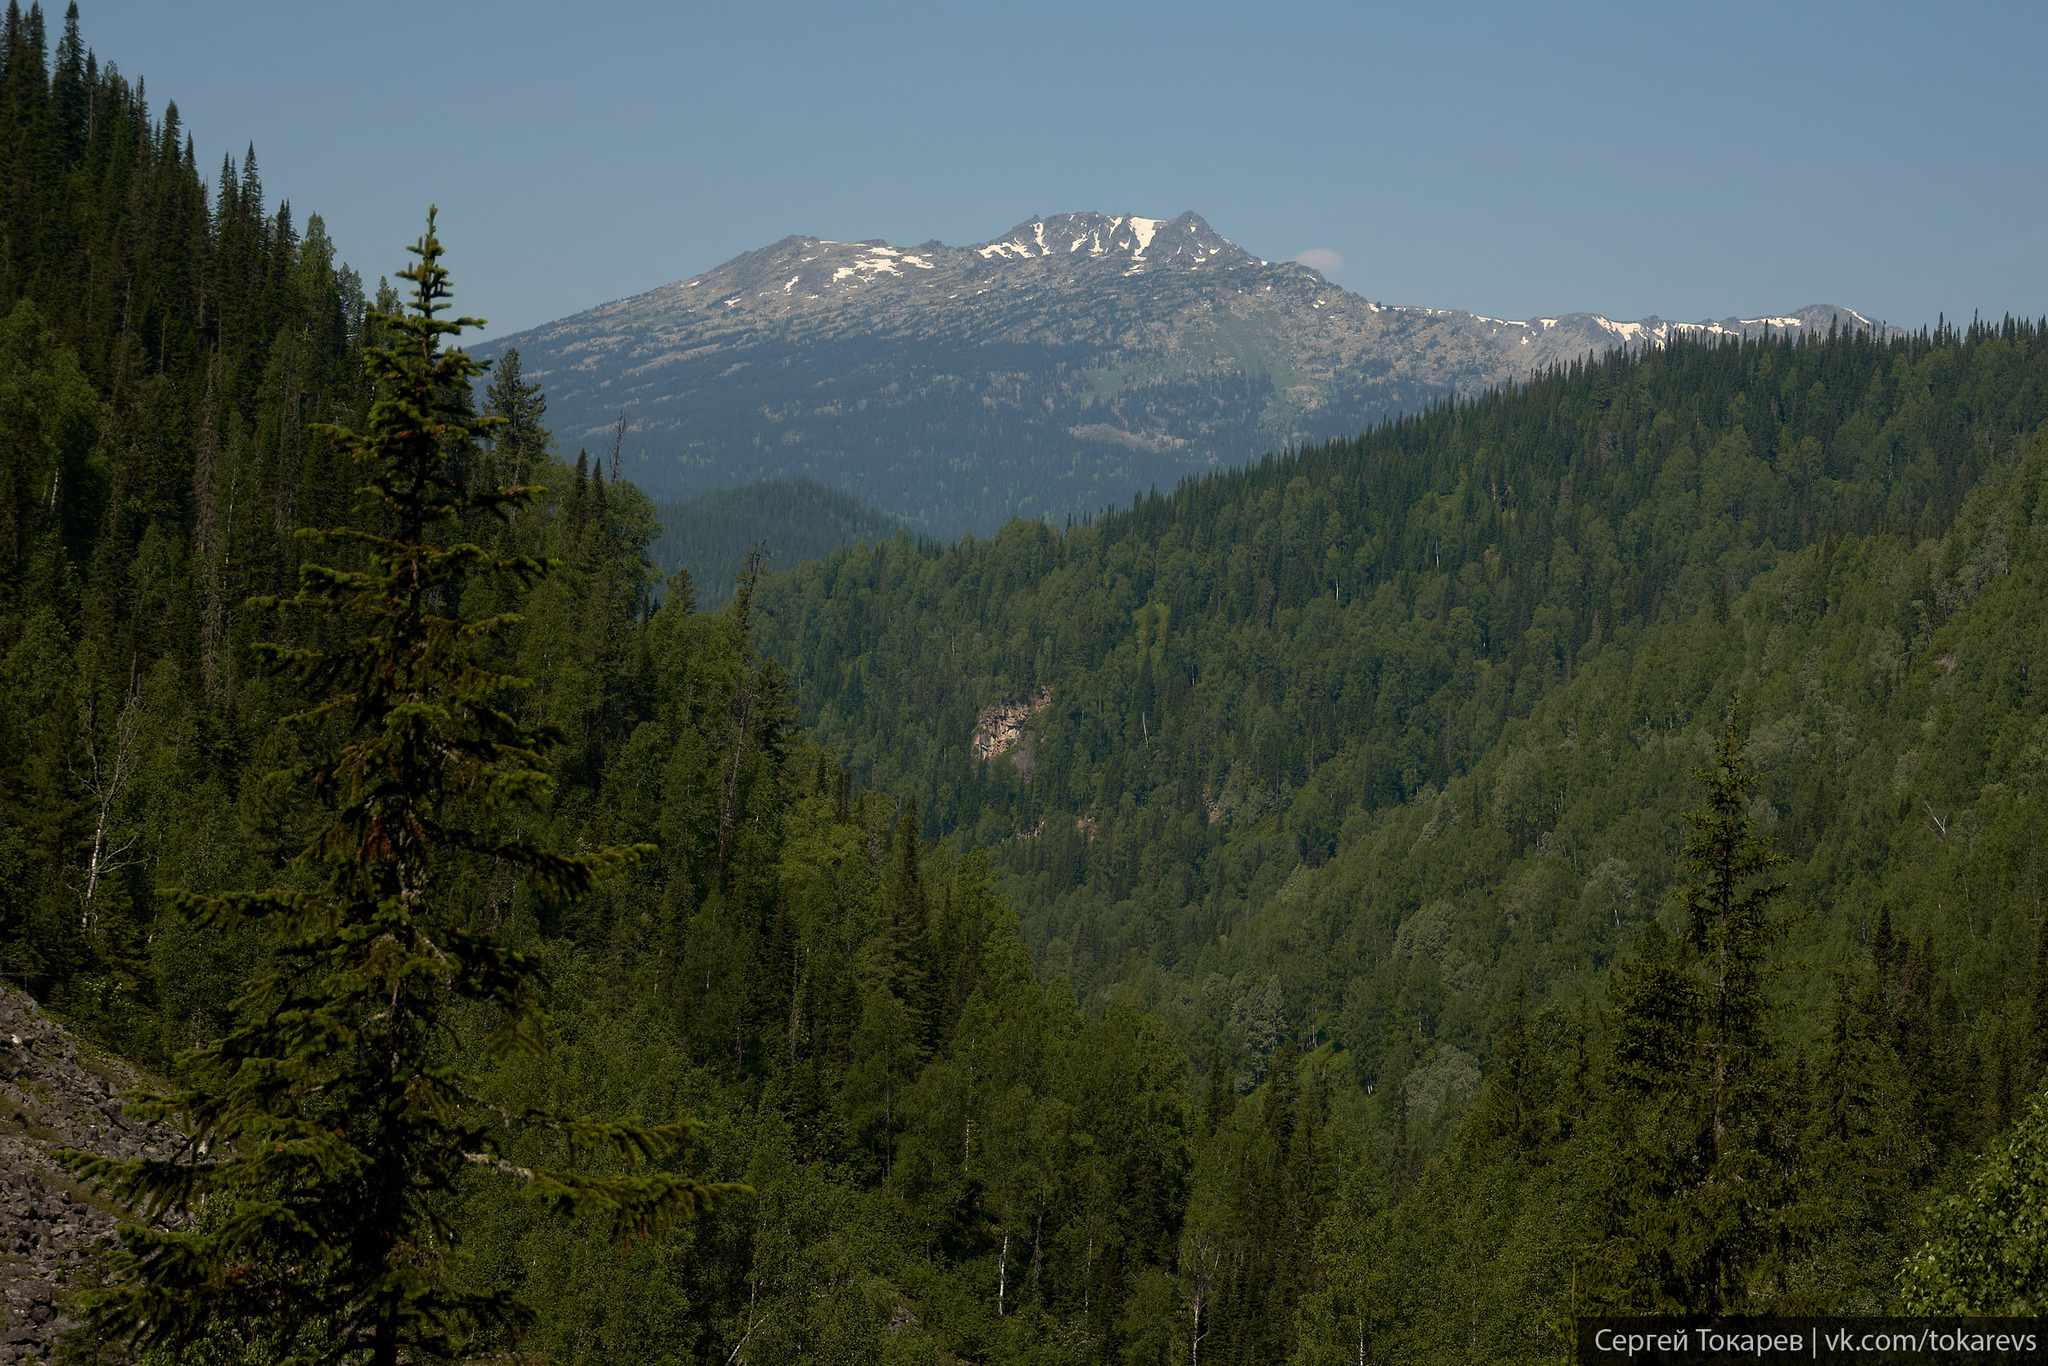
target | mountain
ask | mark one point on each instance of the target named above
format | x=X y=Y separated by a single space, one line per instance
x=1067 y=364
x=792 y=519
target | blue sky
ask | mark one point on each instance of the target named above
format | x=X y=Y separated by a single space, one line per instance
x=1515 y=160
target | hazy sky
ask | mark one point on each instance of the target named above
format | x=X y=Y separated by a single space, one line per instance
x=1686 y=160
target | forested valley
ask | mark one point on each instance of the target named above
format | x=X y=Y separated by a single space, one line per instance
x=1572 y=850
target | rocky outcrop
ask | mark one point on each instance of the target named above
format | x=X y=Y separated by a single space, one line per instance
x=999 y=730
x=54 y=1093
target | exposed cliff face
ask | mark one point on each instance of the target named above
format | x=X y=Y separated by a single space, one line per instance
x=1060 y=367
x=999 y=730
x=54 y=1094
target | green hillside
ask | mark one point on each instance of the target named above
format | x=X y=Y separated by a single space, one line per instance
x=793 y=519
x=1241 y=672
x=1351 y=751
x=1571 y=851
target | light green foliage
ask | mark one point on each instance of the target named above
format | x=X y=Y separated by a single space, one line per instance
x=1986 y=1252
x=1347 y=1319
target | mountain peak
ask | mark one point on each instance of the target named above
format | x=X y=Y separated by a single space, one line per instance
x=1131 y=239
x=1075 y=357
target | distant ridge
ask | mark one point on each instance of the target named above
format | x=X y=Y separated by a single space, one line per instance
x=1063 y=365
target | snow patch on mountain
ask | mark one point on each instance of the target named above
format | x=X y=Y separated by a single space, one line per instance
x=1120 y=346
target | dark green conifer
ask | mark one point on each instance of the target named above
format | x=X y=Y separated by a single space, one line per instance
x=2040 y=1012
x=522 y=440
x=579 y=498
x=1884 y=949
x=1221 y=1100
x=905 y=953
x=1696 y=1205
x=327 y=1130
x=68 y=89
x=1516 y=1104
x=1727 y=899
x=682 y=591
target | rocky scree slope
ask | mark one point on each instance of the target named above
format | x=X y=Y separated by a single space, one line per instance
x=1057 y=368
x=54 y=1095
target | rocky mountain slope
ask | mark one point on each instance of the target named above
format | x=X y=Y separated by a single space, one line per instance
x=1059 y=367
x=53 y=1095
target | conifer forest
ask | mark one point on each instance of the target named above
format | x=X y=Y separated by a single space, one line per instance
x=1573 y=850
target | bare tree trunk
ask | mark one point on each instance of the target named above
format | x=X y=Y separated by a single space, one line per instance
x=1037 y=1256
x=104 y=777
x=1205 y=1264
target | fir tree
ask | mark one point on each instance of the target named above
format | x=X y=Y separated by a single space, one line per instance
x=1727 y=900
x=1221 y=1099
x=1695 y=1205
x=904 y=960
x=522 y=440
x=2039 y=1041
x=327 y=1131
x=1516 y=1102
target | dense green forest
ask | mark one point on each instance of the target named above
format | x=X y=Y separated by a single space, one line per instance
x=1383 y=750
x=791 y=520
x=1573 y=849
x=1360 y=744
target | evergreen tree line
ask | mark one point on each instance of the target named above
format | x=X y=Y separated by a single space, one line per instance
x=168 y=347
x=1332 y=630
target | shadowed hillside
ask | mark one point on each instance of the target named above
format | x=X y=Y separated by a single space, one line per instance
x=793 y=519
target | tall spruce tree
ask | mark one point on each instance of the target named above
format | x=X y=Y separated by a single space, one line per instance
x=1696 y=1210
x=904 y=961
x=327 y=1131
x=1727 y=898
